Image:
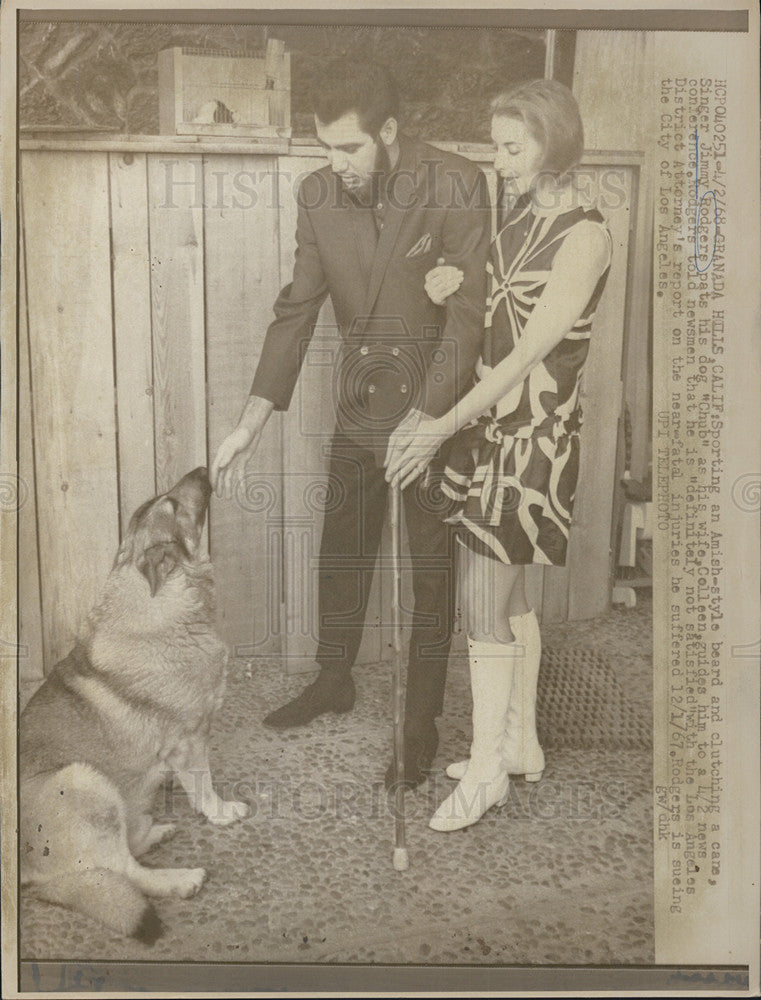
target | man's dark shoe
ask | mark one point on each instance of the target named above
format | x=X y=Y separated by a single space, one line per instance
x=419 y=751
x=329 y=693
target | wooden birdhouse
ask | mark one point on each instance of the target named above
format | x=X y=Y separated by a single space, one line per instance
x=224 y=93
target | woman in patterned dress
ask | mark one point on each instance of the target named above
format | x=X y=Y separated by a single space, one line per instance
x=512 y=467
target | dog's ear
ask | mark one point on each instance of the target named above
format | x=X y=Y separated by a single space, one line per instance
x=158 y=561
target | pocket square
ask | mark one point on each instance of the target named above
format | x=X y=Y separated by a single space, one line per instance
x=422 y=246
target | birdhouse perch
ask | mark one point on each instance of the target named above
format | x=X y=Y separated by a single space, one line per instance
x=225 y=93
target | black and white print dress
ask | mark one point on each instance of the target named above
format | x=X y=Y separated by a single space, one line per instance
x=511 y=474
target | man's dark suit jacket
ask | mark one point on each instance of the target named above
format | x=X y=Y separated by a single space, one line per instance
x=398 y=349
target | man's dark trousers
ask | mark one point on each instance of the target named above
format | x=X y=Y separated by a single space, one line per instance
x=354 y=515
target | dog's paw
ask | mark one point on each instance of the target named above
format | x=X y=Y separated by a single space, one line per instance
x=144 y=839
x=188 y=881
x=160 y=832
x=226 y=813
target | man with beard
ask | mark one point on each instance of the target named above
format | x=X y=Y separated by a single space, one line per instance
x=371 y=224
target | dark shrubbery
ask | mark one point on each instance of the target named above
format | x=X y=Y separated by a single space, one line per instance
x=99 y=75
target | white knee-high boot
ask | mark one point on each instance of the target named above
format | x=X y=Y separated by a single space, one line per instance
x=521 y=751
x=486 y=781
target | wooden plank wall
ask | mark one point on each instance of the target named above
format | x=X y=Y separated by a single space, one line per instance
x=242 y=278
x=133 y=342
x=609 y=68
x=66 y=215
x=175 y=213
x=165 y=276
x=151 y=281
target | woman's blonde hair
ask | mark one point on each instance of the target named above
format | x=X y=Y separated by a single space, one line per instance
x=549 y=111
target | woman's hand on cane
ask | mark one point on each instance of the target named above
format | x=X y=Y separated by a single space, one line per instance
x=418 y=437
x=412 y=446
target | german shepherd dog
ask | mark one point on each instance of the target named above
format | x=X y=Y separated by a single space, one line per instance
x=131 y=703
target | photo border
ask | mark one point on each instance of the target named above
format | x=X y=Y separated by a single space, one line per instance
x=113 y=978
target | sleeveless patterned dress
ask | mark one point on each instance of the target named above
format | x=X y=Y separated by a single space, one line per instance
x=511 y=474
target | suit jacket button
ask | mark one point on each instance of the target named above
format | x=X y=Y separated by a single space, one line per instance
x=364 y=349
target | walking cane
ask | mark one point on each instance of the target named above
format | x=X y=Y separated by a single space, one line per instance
x=401 y=859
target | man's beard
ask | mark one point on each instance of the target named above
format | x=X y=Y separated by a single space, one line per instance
x=370 y=188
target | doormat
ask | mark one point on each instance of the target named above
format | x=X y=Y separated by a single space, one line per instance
x=581 y=705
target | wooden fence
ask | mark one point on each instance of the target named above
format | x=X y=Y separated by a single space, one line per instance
x=148 y=274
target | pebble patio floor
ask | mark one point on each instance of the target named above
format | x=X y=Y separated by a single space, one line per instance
x=561 y=875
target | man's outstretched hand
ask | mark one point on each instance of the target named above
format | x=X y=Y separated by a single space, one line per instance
x=238 y=448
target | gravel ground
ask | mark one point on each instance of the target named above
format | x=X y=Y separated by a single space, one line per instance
x=561 y=875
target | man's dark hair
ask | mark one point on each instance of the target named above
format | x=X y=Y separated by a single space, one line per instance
x=365 y=88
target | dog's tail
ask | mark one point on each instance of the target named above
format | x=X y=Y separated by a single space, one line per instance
x=106 y=896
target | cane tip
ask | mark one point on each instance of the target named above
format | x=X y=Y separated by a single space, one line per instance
x=401 y=859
